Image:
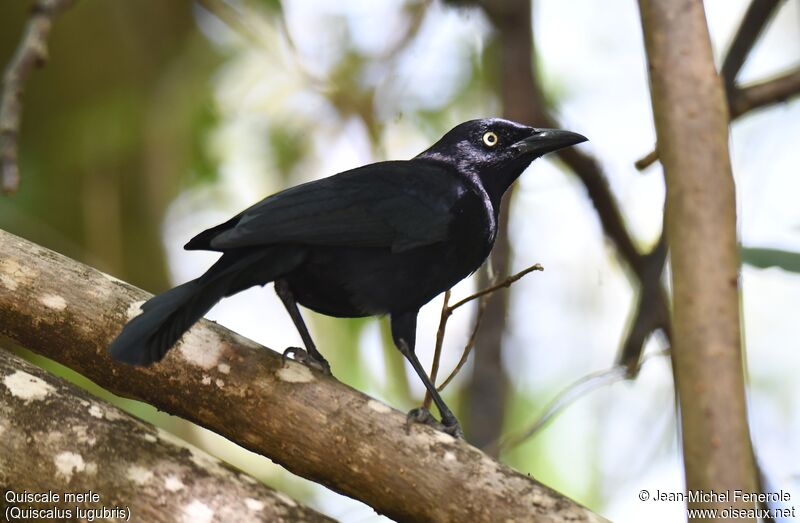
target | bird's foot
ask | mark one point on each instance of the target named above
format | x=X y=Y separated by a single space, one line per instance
x=448 y=425
x=302 y=356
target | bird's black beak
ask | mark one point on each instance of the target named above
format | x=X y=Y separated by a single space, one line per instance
x=544 y=141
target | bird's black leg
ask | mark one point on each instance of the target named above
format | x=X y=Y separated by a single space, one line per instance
x=312 y=357
x=404 y=333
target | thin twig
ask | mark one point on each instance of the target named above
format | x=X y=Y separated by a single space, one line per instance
x=437 y=351
x=482 y=303
x=505 y=283
x=755 y=19
x=568 y=396
x=31 y=53
x=447 y=311
x=647 y=160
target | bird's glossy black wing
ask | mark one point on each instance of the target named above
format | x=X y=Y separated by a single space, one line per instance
x=400 y=205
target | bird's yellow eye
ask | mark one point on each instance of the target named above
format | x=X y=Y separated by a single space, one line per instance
x=490 y=138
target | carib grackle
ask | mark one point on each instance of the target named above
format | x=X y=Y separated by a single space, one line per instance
x=385 y=238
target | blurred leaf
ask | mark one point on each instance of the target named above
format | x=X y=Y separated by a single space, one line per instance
x=205 y=168
x=272 y=6
x=289 y=146
x=765 y=258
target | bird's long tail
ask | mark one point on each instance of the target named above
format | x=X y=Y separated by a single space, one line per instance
x=165 y=317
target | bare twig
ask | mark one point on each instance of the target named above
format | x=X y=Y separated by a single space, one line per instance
x=647 y=160
x=573 y=392
x=767 y=92
x=505 y=283
x=437 y=351
x=753 y=23
x=31 y=53
x=482 y=303
x=447 y=311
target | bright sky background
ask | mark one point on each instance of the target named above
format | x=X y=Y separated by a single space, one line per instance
x=568 y=320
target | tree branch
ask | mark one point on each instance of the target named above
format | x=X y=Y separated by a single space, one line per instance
x=651 y=313
x=84 y=444
x=765 y=93
x=311 y=424
x=32 y=52
x=691 y=120
x=755 y=19
x=742 y=100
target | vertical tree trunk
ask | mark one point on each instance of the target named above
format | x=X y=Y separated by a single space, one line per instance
x=691 y=119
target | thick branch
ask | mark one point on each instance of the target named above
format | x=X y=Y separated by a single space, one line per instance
x=313 y=425
x=691 y=120
x=32 y=52
x=84 y=444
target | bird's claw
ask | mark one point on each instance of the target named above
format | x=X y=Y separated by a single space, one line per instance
x=424 y=416
x=302 y=356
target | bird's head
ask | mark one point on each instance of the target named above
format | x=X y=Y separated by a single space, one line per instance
x=497 y=151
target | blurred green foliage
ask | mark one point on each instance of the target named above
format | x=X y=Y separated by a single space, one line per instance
x=764 y=258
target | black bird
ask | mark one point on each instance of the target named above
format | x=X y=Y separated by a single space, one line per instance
x=385 y=238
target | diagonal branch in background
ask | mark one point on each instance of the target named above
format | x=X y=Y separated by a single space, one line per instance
x=651 y=312
x=31 y=53
x=644 y=267
x=755 y=20
x=127 y=462
x=569 y=395
x=507 y=15
x=313 y=425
